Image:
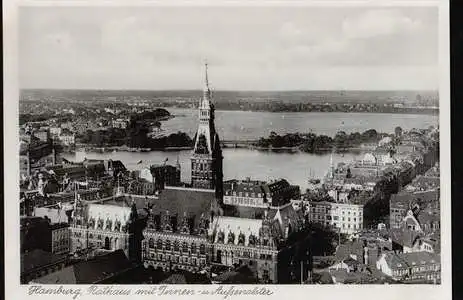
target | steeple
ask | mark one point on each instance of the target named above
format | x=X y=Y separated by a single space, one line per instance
x=206 y=168
x=206 y=100
x=331 y=174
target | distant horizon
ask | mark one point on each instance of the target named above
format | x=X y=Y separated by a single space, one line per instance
x=229 y=90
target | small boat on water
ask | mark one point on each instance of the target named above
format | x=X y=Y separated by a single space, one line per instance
x=312 y=179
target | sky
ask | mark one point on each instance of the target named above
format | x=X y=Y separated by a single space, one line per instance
x=247 y=48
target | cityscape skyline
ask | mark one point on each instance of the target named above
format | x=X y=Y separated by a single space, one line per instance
x=148 y=49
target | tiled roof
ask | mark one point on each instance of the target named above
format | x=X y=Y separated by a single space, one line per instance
x=175 y=279
x=285 y=215
x=176 y=200
x=91 y=271
x=395 y=262
x=404 y=237
x=38 y=258
x=185 y=277
x=419 y=258
x=344 y=251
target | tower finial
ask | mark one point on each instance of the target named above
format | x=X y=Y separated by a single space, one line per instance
x=207 y=79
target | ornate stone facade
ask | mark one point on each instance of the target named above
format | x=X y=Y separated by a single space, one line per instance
x=97 y=226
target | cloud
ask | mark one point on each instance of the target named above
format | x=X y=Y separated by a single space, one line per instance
x=378 y=22
x=163 y=48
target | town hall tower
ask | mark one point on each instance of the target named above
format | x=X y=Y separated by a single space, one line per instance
x=206 y=160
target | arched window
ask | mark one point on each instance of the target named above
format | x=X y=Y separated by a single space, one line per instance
x=184 y=247
x=151 y=243
x=202 y=249
x=193 y=248
x=107 y=244
x=167 y=245
x=159 y=244
x=241 y=239
x=252 y=240
x=176 y=246
x=220 y=237
x=109 y=224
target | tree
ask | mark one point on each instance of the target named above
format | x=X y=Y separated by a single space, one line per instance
x=398 y=131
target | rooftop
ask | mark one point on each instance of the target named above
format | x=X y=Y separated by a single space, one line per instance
x=91 y=271
x=37 y=259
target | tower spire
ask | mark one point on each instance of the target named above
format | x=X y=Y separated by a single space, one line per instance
x=207 y=78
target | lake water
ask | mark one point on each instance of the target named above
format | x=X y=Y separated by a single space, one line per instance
x=263 y=165
x=237 y=163
x=233 y=125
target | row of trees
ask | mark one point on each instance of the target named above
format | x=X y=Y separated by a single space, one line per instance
x=136 y=133
x=138 y=139
x=313 y=143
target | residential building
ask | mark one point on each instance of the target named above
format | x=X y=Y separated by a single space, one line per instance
x=258 y=194
x=419 y=210
x=414 y=267
x=348 y=218
x=120 y=123
x=42 y=135
x=67 y=139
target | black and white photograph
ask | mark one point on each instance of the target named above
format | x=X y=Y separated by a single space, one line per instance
x=226 y=146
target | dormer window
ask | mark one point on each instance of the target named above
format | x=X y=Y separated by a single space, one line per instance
x=231 y=238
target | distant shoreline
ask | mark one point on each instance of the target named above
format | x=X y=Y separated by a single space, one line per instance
x=430 y=112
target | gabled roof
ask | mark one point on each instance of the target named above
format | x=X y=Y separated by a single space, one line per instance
x=394 y=261
x=404 y=237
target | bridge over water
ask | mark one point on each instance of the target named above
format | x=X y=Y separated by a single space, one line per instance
x=238 y=143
